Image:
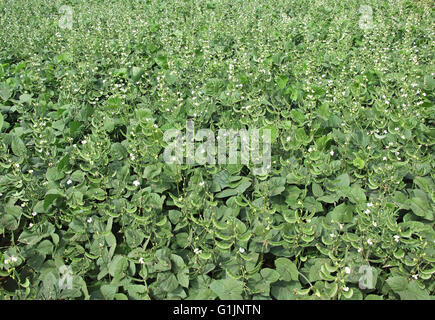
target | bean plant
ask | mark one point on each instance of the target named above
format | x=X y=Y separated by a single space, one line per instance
x=90 y=210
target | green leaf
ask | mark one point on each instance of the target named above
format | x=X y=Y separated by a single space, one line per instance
x=357 y=195
x=373 y=297
x=50 y=197
x=205 y=255
x=96 y=193
x=9 y=222
x=108 y=291
x=330 y=198
x=136 y=73
x=284 y=290
x=333 y=290
x=317 y=190
x=226 y=193
x=53 y=174
x=414 y=292
x=269 y=275
x=25 y=98
x=111 y=240
x=5 y=91
x=359 y=163
x=273 y=133
x=45 y=247
x=29 y=237
x=343 y=213
x=407 y=290
x=15 y=211
x=293 y=193
x=397 y=283
x=137 y=292
x=286 y=269
x=421 y=207
x=282 y=81
x=63 y=163
x=276 y=185
x=108 y=124
x=323 y=111
x=117 y=266
x=169 y=284
x=134 y=237
x=152 y=171
x=242 y=187
x=227 y=289
x=312 y=205
x=183 y=278
x=18 y=147
x=74 y=127
x=342 y=181
x=297 y=116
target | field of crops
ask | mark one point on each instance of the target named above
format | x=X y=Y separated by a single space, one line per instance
x=90 y=209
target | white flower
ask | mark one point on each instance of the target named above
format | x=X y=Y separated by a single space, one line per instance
x=84 y=141
x=136 y=183
x=374 y=224
x=384 y=158
x=367 y=211
x=396 y=238
x=197 y=251
x=347 y=270
x=23 y=205
x=17 y=165
x=241 y=250
x=30 y=171
x=370 y=242
x=331 y=152
x=369 y=204
x=310 y=149
x=89 y=220
x=415 y=276
x=287 y=139
x=201 y=183
x=141 y=261
x=359 y=249
x=69 y=181
x=346 y=289
x=34 y=213
x=332 y=235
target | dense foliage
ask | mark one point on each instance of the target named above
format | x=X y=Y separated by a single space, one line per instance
x=83 y=184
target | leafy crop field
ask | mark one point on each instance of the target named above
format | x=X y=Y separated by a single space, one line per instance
x=89 y=209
